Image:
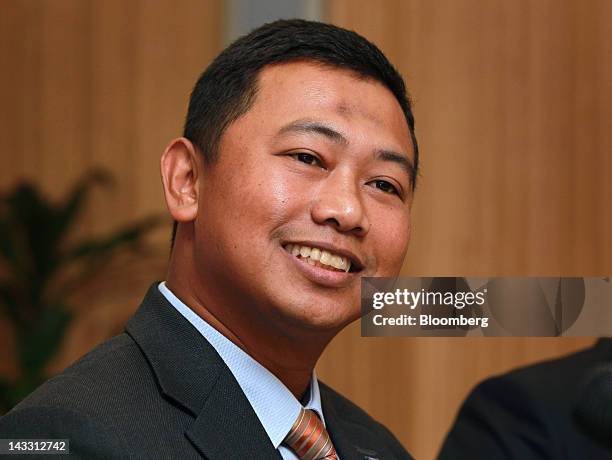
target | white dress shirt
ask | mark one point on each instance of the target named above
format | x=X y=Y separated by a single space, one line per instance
x=276 y=407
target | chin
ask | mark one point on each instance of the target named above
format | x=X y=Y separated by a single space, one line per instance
x=322 y=317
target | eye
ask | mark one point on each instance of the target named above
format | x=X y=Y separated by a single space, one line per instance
x=307 y=158
x=385 y=186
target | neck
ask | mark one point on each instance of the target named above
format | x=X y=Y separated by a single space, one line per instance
x=289 y=352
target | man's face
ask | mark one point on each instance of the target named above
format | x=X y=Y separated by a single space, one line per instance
x=313 y=177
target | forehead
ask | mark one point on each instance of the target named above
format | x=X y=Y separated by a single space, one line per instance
x=308 y=90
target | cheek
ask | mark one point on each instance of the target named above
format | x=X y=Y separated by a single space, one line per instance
x=270 y=200
x=391 y=235
x=253 y=203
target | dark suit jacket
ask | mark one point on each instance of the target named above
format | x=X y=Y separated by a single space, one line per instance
x=528 y=413
x=160 y=390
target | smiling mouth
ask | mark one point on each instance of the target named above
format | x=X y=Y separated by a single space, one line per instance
x=321 y=258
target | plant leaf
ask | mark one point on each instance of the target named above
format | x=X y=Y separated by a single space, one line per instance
x=41 y=342
x=68 y=213
x=101 y=247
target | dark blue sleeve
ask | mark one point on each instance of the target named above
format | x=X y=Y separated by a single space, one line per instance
x=501 y=420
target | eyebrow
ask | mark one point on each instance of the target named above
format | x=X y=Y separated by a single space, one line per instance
x=311 y=126
x=404 y=162
x=316 y=127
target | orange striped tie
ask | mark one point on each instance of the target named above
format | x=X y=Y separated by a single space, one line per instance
x=309 y=439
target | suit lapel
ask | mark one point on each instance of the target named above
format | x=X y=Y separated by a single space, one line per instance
x=193 y=375
x=227 y=427
x=351 y=441
x=341 y=437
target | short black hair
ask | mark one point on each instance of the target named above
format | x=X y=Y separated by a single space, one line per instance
x=227 y=88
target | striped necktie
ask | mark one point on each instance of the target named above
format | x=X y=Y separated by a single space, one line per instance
x=309 y=439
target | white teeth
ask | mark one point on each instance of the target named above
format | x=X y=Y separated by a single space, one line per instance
x=325 y=258
x=338 y=262
x=313 y=255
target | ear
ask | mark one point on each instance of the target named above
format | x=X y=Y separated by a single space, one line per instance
x=179 y=171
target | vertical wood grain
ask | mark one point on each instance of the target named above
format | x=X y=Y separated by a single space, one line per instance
x=512 y=105
x=100 y=84
x=512 y=102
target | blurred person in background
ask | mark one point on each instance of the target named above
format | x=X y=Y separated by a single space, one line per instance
x=294 y=179
x=558 y=409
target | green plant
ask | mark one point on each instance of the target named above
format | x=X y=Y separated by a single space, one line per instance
x=40 y=268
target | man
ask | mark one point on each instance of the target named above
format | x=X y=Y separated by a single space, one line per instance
x=293 y=180
x=558 y=409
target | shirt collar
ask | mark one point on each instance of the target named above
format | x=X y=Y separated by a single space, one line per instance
x=273 y=403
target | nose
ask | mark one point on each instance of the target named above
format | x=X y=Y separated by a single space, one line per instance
x=337 y=202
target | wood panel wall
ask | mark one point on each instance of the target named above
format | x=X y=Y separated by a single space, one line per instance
x=512 y=101
x=513 y=114
x=100 y=83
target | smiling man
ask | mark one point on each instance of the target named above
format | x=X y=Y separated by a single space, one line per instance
x=293 y=180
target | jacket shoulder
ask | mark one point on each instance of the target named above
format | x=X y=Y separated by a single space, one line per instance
x=109 y=368
x=86 y=437
x=525 y=413
x=75 y=405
